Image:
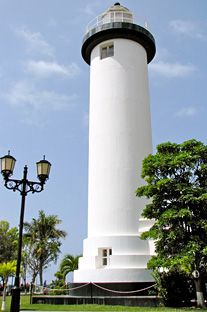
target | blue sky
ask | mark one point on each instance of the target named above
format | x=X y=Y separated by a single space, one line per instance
x=44 y=96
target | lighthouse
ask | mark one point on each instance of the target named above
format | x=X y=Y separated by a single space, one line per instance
x=117 y=46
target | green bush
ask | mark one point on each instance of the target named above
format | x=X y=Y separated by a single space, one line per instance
x=176 y=288
x=57 y=291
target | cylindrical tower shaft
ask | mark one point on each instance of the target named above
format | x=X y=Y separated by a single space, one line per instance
x=119 y=137
x=118 y=51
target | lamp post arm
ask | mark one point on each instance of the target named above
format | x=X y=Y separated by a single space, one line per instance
x=30 y=186
x=35 y=187
x=12 y=184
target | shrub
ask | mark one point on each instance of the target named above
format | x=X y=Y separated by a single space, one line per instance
x=176 y=288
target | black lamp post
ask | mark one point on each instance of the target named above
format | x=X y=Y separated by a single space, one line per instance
x=23 y=186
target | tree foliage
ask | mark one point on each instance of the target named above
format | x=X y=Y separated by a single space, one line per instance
x=30 y=261
x=69 y=264
x=44 y=244
x=6 y=270
x=60 y=279
x=8 y=242
x=175 y=286
x=176 y=183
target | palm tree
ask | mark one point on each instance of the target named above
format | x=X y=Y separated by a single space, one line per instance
x=45 y=240
x=6 y=270
x=69 y=264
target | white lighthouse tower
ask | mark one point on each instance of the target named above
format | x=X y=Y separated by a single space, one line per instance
x=118 y=49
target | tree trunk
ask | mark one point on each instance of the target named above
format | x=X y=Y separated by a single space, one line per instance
x=33 y=280
x=199 y=293
x=33 y=277
x=40 y=274
x=3 y=306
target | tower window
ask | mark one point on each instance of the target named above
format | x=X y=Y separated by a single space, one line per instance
x=107 y=50
x=105 y=256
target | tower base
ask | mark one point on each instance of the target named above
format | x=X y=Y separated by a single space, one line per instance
x=115 y=259
x=131 y=301
x=118 y=289
x=113 y=275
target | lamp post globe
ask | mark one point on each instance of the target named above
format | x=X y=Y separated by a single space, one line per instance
x=43 y=169
x=7 y=165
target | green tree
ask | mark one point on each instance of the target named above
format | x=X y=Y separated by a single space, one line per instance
x=30 y=261
x=176 y=183
x=174 y=286
x=60 y=279
x=8 y=242
x=45 y=241
x=6 y=270
x=69 y=264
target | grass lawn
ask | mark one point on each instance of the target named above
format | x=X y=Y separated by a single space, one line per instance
x=25 y=305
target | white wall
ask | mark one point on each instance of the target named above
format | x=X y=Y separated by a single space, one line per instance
x=119 y=139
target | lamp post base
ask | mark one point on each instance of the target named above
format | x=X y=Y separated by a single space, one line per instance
x=15 y=301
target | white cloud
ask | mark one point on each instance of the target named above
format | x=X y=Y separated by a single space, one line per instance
x=25 y=94
x=90 y=8
x=52 y=22
x=162 y=54
x=46 y=69
x=172 y=70
x=186 y=28
x=181 y=26
x=36 y=45
x=186 y=112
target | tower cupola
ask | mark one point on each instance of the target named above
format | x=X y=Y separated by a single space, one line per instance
x=118 y=22
x=117 y=13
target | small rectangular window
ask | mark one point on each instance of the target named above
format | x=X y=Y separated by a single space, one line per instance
x=106 y=253
x=111 y=50
x=104 y=53
x=107 y=50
